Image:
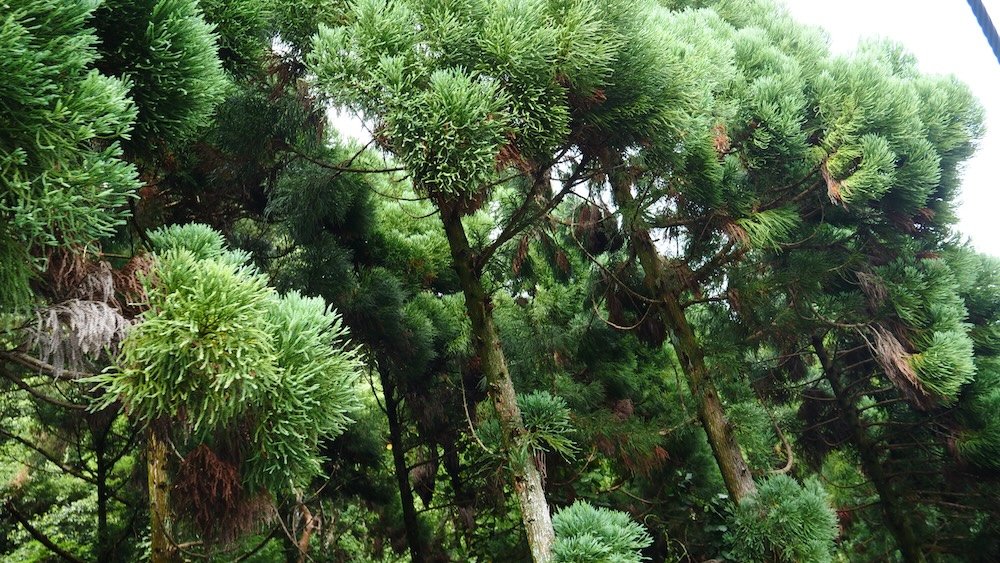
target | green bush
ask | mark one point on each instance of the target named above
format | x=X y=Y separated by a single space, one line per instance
x=586 y=534
x=783 y=521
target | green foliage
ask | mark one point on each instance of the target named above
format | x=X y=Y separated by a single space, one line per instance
x=546 y=419
x=546 y=422
x=979 y=441
x=462 y=88
x=241 y=26
x=585 y=533
x=417 y=250
x=791 y=194
x=450 y=136
x=755 y=433
x=783 y=521
x=62 y=179
x=312 y=399
x=202 y=241
x=296 y=20
x=203 y=350
x=768 y=229
x=873 y=107
x=168 y=53
x=945 y=363
x=925 y=297
x=218 y=348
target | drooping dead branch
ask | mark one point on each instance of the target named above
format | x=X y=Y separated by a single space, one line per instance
x=892 y=356
x=68 y=333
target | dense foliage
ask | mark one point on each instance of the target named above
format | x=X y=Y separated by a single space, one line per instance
x=610 y=281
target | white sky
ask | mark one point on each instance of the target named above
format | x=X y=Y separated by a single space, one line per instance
x=946 y=39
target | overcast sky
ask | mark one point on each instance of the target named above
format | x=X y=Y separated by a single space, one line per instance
x=945 y=37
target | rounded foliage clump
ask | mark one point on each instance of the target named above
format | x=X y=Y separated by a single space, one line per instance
x=168 y=52
x=585 y=533
x=203 y=348
x=461 y=90
x=546 y=423
x=221 y=352
x=783 y=521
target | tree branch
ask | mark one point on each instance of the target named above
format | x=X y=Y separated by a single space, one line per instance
x=39 y=395
x=69 y=470
x=39 y=366
x=518 y=222
x=39 y=536
x=345 y=166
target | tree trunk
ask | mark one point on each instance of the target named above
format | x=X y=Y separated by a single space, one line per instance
x=667 y=288
x=161 y=548
x=892 y=513
x=105 y=551
x=486 y=343
x=410 y=522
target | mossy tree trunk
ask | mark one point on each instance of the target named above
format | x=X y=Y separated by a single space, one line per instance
x=665 y=285
x=162 y=549
x=527 y=481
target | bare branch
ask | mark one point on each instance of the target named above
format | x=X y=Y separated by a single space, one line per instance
x=39 y=395
x=519 y=222
x=345 y=166
x=69 y=470
x=41 y=367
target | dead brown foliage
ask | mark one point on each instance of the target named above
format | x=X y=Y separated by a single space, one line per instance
x=832 y=186
x=720 y=140
x=892 y=356
x=71 y=273
x=208 y=492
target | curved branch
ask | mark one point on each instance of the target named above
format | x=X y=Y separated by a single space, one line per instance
x=784 y=442
x=67 y=469
x=39 y=395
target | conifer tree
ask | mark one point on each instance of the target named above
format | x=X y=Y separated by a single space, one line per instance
x=384 y=271
x=772 y=156
x=245 y=381
x=467 y=93
x=874 y=207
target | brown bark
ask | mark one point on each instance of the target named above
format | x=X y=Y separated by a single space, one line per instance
x=310 y=523
x=666 y=285
x=893 y=515
x=486 y=343
x=162 y=549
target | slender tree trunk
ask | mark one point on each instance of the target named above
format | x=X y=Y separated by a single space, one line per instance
x=486 y=342
x=410 y=521
x=158 y=482
x=666 y=286
x=893 y=515
x=739 y=481
x=105 y=551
